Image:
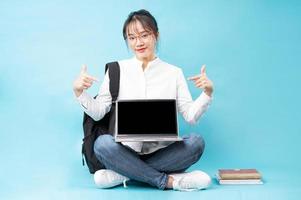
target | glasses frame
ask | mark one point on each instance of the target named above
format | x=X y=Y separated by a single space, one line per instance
x=145 y=36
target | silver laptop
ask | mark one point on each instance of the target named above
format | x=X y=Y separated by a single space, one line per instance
x=146 y=120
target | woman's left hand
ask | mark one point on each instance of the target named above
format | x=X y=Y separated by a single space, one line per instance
x=203 y=82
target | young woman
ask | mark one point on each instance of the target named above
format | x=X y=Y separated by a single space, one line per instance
x=145 y=76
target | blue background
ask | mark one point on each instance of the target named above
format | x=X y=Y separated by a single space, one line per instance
x=252 y=51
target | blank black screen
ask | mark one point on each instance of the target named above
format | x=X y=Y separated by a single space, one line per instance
x=147 y=117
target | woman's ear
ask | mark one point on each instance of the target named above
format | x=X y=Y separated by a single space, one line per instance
x=157 y=36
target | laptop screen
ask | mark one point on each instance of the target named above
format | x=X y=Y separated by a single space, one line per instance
x=147 y=117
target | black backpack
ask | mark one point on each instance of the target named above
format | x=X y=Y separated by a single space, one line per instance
x=92 y=129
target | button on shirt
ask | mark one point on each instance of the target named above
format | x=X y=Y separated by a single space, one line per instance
x=159 y=80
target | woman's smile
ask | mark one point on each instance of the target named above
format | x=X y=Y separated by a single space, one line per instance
x=141 y=50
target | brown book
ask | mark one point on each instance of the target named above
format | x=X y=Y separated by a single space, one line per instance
x=238 y=174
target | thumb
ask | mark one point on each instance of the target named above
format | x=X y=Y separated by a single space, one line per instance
x=203 y=69
x=84 y=69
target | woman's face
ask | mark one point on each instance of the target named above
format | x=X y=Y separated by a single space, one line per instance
x=141 y=41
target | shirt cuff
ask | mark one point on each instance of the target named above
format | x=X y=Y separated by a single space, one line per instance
x=83 y=99
x=204 y=99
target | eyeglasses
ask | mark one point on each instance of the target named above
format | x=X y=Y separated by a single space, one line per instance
x=144 y=37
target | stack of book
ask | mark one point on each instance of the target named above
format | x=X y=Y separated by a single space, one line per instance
x=239 y=176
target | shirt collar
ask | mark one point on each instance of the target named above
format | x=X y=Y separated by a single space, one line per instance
x=151 y=63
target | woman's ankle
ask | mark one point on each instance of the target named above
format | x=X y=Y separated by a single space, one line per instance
x=169 y=184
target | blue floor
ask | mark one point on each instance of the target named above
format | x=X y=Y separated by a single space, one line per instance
x=60 y=184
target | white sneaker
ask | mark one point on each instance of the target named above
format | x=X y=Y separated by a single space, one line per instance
x=106 y=178
x=191 y=181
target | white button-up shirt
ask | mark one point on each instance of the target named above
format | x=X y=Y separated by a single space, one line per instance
x=159 y=80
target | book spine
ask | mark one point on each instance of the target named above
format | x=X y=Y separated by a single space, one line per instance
x=239 y=176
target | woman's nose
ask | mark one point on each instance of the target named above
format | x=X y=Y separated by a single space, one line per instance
x=139 y=42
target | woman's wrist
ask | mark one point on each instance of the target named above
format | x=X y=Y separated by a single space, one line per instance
x=77 y=92
x=209 y=92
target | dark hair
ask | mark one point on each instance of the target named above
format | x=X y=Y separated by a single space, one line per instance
x=145 y=18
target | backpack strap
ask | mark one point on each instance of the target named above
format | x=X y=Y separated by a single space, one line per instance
x=114 y=76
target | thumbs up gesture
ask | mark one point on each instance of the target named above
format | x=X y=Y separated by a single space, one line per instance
x=84 y=81
x=202 y=81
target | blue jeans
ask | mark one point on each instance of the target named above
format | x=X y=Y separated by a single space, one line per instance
x=150 y=168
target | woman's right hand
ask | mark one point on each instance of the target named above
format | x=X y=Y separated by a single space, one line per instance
x=84 y=81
